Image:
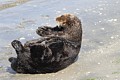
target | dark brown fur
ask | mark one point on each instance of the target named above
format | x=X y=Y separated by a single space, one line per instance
x=58 y=48
x=69 y=28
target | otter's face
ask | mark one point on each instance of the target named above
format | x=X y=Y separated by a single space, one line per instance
x=64 y=20
x=68 y=20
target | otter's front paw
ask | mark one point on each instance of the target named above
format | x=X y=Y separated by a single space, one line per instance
x=43 y=31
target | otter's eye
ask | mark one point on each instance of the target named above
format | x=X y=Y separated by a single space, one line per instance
x=64 y=22
x=62 y=16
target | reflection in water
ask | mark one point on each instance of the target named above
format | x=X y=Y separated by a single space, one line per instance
x=99 y=58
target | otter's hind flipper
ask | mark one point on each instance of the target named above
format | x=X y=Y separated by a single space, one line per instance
x=17 y=45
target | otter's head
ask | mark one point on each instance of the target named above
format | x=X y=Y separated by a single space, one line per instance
x=68 y=20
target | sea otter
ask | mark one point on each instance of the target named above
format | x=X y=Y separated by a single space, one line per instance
x=58 y=48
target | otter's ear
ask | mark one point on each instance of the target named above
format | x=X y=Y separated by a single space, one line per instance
x=17 y=45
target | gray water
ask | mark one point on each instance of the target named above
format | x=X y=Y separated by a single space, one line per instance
x=99 y=58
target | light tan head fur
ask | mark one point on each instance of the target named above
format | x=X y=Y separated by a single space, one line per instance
x=68 y=20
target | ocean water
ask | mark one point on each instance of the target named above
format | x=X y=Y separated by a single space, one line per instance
x=99 y=57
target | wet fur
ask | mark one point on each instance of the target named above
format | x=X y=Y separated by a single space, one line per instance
x=58 y=48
